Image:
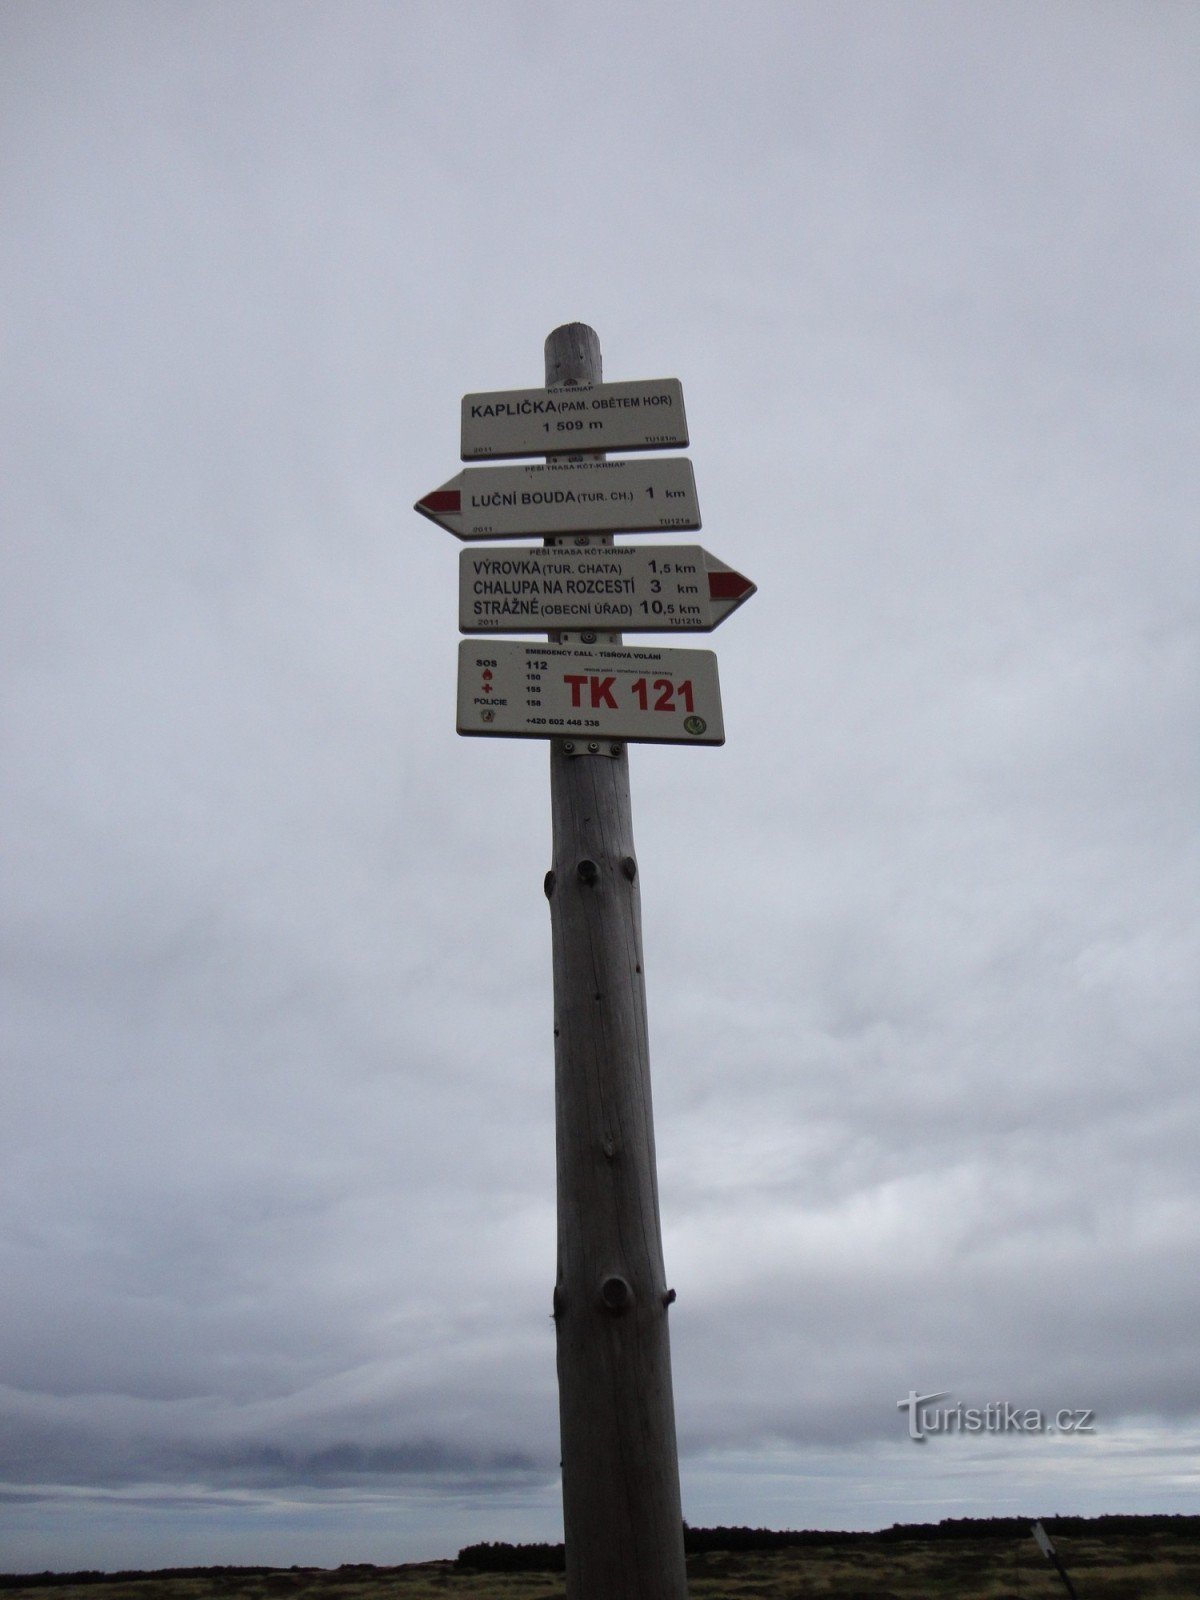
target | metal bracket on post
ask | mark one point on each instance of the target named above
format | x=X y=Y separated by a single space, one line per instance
x=589 y=747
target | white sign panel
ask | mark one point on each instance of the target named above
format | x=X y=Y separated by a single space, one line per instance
x=635 y=588
x=1043 y=1540
x=576 y=497
x=545 y=691
x=646 y=415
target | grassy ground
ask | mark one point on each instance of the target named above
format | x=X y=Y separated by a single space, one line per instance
x=1149 y=1566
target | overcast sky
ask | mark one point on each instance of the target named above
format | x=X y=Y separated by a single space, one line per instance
x=276 y=1127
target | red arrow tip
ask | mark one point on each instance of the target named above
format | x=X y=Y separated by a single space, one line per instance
x=442 y=500
x=728 y=585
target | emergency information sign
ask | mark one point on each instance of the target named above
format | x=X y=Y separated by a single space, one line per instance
x=635 y=588
x=646 y=415
x=566 y=497
x=546 y=691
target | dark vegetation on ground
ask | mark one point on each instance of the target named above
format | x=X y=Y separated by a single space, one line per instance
x=698 y=1541
x=1108 y=1558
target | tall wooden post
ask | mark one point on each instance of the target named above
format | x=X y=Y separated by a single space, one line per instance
x=621 y=1507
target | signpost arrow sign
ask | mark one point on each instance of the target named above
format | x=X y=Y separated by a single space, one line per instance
x=549 y=691
x=647 y=415
x=638 y=588
x=577 y=497
x=1046 y=1546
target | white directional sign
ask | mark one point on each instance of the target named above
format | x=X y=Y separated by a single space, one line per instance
x=647 y=415
x=576 y=497
x=545 y=691
x=638 y=588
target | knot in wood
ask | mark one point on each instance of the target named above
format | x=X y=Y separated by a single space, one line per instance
x=548 y=884
x=588 y=872
x=629 y=868
x=615 y=1295
x=669 y=1298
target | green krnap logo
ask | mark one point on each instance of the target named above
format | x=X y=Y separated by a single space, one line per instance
x=695 y=724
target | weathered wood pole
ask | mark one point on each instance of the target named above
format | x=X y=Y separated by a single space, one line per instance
x=621 y=1507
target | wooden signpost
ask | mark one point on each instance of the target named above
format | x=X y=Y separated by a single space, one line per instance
x=591 y=695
